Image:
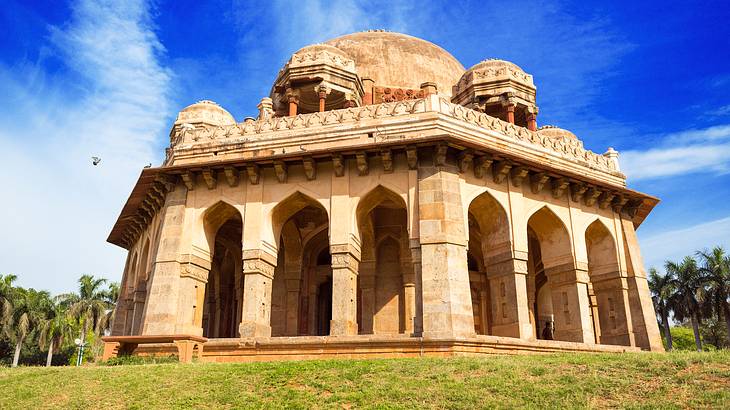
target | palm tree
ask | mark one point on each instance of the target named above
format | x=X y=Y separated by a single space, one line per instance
x=716 y=271
x=111 y=295
x=90 y=306
x=661 y=292
x=54 y=329
x=6 y=292
x=28 y=308
x=686 y=281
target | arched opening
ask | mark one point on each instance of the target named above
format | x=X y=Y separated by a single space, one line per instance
x=386 y=282
x=224 y=291
x=302 y=284
x=606 y=287
x=489 y=247
x=140 y=288
x=128 y=294
x=551 y=271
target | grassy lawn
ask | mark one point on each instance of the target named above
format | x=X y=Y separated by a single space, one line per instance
x=676 y=380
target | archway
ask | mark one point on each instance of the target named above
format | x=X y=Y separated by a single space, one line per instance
x=301 y=301
x=550 y=259
x=493 y=282
x=607 y=289
x=224 y=291
x=386 y=282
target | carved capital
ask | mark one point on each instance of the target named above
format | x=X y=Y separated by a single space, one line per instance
x=281 y=171
x=231 y=176
x=577 y=189
x=258 y=266
x=591 y=196
x=362 y=163
x=345 y=260
x=338 y=163
x=209 y=178
x=188 y=179
x=538 y=181
x=482 y=165
x=386 y=157
x=559 y=186
x=412 y=156
x=310 y=168
x=253 y=173
x=500 y=171
x=518 y=174
x=465 y=160
x=191 y=270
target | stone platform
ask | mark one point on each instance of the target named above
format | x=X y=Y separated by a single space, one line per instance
x=369 y=347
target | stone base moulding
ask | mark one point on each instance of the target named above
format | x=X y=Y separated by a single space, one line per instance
x=370 y=347
x=184 y=345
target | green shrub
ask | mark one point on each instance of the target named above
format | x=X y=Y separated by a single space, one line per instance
x=137 y=360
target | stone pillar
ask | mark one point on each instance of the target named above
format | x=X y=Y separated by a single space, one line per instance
x=120 y=317
x=612 y=297
x=571 y=306
x=292 y=307
x=139 y=298
x=322 y=92
x=446 y=294
x=418 y=288
x=510 y=109
x=409 y=296
x=258 y=271
x=532 y=121
x=643 y=316
x=161 y=315
x=344 y=291
x=293 y=100
x=429 y=88
x=508 y=287
x=367 y=293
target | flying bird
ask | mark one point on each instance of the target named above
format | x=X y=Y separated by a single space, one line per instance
x=95 y=160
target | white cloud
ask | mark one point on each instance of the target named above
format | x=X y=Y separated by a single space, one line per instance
x=109 y=99
x=676 y=244
x=689 y=151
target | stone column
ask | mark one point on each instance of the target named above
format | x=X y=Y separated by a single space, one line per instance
x=161 y=315
x=344 y=291
x=139 y=298
x=507 y=277
x=409 y=296
x=510 y=109
x=322 y=92
x=293 y=100
x=532 y=121
x=643 y=318
x=612 y=297
x=292 y=307
x=418 y=288
x=266 y=108
x=571 y=306
x=258 y=271
x=367 y=293
x=447 y=308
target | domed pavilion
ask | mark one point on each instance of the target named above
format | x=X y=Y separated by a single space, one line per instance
x=386 y=201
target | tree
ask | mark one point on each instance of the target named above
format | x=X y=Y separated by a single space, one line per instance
x=662 y=288
x=90 y=306
x=54 y=329
x=6 y=293
x=686 y=281
x=28 y=309
x=715 y=269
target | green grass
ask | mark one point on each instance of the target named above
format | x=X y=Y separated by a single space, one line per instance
x=676 y=380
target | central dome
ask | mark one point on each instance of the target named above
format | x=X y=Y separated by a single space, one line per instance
x=400 y=61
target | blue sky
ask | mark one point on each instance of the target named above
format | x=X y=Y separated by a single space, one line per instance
x=83 y=78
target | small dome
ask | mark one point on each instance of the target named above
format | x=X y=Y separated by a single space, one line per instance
x=497 y=68
x=205 y=111
x=552 y=131
x=400 y=61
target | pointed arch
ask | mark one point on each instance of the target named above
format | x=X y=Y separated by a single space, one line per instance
x=374 y=198
x=553 y=237
x=601 y=249
x=213 y=219
x=291 y=205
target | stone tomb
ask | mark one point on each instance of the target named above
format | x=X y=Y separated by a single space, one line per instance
x=385 y=202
